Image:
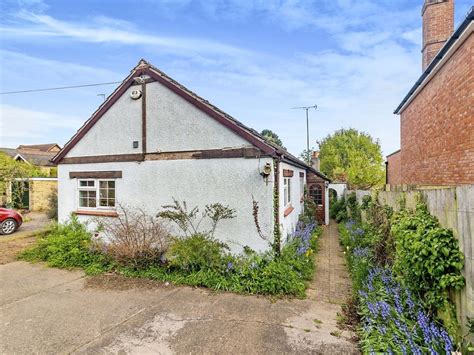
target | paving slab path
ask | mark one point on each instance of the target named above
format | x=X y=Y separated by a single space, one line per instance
x=45 y=310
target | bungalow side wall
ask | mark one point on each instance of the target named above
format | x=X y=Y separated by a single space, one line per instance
x=288 y=223
x=152 y=184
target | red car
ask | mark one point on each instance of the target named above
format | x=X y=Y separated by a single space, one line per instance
x=10 y=221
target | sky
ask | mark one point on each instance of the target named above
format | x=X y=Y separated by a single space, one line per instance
x=256 y=60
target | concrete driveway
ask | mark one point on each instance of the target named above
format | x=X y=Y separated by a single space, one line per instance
x=46 y=310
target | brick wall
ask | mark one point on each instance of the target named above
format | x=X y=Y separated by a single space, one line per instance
x=394 y=169
x=437 y=127
x=40 y=190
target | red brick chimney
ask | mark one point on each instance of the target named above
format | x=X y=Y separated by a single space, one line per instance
x=438 y=26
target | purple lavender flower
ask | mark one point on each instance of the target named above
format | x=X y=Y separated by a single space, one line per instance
x=230 y=266
x=423 y=322
x=384 y=309
x=448 y=344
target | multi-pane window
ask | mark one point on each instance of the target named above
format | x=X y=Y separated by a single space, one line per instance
x=286 y=191
x=107 y=193
x=96 y=193
x=316 y=193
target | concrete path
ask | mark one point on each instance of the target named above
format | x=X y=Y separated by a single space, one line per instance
x=45 y=310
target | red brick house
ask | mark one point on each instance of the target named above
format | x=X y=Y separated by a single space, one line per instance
x=437 y=114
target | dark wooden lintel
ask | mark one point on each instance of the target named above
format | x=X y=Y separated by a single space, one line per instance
x=95 y=174
x=103 y=159
x=246 y=152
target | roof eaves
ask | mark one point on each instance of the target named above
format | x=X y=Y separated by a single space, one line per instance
x=451 y=41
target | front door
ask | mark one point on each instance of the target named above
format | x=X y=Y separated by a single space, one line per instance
x=316 y=192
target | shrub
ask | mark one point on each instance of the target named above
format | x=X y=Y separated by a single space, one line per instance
x=135 y=239
x=427 y=258
x=66 y=245
x=189 y=221
x=393 y=319
x=336 y=206
x=197 y=252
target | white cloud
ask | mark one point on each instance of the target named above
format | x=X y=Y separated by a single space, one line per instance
x=108 y=30
x=24 y=126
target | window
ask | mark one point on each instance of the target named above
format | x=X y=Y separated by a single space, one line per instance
x=286 y=191
x=96 y=194
x=316 y=193
x=302 y=186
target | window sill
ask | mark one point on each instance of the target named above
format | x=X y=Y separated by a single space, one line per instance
x=288 y=210
x=96 y=213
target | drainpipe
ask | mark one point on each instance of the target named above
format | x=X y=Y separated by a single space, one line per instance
x=144 y=117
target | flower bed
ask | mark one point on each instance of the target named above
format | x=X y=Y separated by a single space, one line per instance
x=197 y=260
x=392 y=319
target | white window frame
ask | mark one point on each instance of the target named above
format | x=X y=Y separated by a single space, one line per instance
x=95 y=188
x=286 y=191
x=302 y=188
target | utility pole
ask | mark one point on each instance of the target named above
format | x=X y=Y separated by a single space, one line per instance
x=306 y=108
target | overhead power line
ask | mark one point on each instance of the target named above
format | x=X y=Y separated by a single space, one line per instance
x=58 y=88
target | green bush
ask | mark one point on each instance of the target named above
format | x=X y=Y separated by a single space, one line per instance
x=336 y=206
x=197 y=252
x=67 y=245
x=427 y=257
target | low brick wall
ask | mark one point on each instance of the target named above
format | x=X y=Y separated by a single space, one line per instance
x=40 y=191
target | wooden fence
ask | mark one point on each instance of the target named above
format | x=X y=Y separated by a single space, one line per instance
x=454 y=208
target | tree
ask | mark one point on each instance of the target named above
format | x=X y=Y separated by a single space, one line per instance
x=272 y=137
x=305 y=157
x=354 y=157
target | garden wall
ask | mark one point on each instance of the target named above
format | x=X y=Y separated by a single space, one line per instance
x=454 y=208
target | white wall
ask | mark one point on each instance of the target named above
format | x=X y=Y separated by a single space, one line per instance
x=340 y=188
x=288 y=223
x=173 y=124
x=115 y=131
x=151 y=184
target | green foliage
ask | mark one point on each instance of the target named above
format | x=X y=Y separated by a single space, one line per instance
x=337 y=209
x=11 y=170
x=202 y=261
x=272 y=137
x=378 y=223
x=67 y=245
x=352 y=156
x=427 y=257
x=309 y=210
x=393 y=319
x=189 y=221
x=197 y=260
x=197 y=252
x=306 y=155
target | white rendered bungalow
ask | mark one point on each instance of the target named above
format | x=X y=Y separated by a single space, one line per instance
x=153 y=140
